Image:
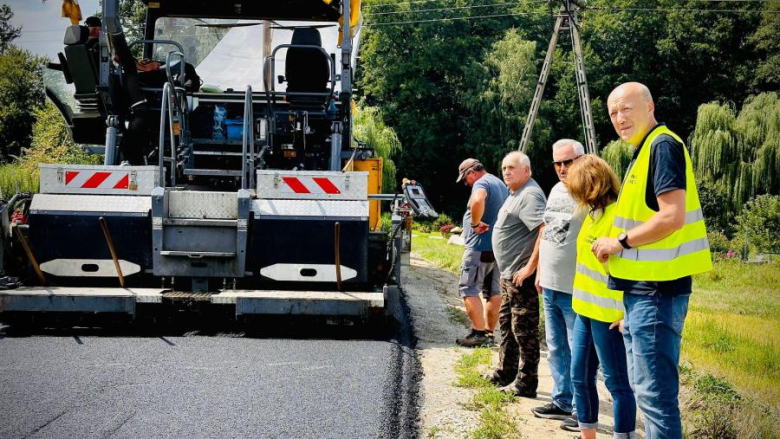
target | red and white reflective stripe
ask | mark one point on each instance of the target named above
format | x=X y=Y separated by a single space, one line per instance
x=310 y=185
x=97 y=179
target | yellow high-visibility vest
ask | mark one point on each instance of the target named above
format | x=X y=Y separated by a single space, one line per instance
x=591 y=298
x=684 y=252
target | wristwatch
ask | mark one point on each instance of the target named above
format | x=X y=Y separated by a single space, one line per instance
x=623 y=240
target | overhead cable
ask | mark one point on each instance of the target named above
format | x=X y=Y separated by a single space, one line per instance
x=393 y=23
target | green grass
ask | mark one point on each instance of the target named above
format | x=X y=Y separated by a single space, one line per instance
x=434 y=248
x=733 y=327
x=13 y=176
x=458 y=316
x=494 y=422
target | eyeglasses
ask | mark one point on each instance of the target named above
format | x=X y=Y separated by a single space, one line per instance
x=567 y=163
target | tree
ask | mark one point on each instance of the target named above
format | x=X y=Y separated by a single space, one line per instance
x=497 y=93
x=51 y=142
x=760 y=221
x=618 y=154
x=21 y=93
x=739 y=153
x=371 y=129
x=8 y=33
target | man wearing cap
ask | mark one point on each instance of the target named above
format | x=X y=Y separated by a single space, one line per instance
x=487 y=195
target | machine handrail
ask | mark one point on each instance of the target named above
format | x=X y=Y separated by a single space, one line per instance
x=170 y=42
x=166 y=107
x=168 y=74
x=248 y=138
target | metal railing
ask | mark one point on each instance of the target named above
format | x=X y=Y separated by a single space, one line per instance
x=167 y=105
x=248 y=142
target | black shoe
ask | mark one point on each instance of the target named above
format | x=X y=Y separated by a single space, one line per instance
x=550 y=411
x=495 y=380
x=570 y=424
x=514 y=390
x=473 y=340
x=491 y=340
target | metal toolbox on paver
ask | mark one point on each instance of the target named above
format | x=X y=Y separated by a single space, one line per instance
x=98 y=179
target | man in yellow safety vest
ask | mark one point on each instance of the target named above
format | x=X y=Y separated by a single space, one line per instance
x=657 y=241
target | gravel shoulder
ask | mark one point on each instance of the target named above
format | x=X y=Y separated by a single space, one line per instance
x=430 y=292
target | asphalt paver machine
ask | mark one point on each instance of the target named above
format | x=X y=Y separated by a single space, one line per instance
x=231 y=177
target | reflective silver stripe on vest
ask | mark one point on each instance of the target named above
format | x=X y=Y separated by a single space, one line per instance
x=664 y=254
x=628 y=224
x=593 y=274
x=602 y=302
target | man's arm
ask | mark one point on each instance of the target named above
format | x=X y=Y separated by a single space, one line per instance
x=528 y=269
x=538 y=268
x=669 y=218
x=477 y=201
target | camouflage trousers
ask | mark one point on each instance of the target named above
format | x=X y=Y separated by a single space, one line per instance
x=518 y=319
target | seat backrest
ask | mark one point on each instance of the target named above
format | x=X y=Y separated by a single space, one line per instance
x=82 y=62
x=306 y=70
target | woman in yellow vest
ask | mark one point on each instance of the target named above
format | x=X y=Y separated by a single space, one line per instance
x=594 y=187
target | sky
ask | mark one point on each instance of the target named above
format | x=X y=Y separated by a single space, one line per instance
x=42 y=26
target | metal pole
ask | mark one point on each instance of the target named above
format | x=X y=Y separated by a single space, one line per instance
x=346 y=87
x=337 y=232
x=582 y=90
x=28 y=252
x=529 y=123
x=112 y=249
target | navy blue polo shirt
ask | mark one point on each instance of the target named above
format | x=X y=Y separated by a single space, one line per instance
x=666 y=173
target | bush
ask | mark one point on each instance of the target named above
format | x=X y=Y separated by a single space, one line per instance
x=443 y=219
x=759 y=221
x=719 y=243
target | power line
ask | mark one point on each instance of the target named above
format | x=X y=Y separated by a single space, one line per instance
x=454 y=18
x=370 y=6
x=491 y=5
x=593 y=9
x=740 y=11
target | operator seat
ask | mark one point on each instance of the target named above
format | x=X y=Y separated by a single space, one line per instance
x=82 y=64
x=307 y=70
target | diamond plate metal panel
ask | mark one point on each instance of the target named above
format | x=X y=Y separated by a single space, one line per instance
x=203 y=205
x=76 y=179
x=310 y=208
x=275 y=185
x=45 y=203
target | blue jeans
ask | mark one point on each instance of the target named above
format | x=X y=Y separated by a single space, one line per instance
x=559 y=330
x=652 y=332
x=594 y=342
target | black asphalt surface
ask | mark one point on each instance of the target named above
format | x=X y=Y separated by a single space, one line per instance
x=86 y=384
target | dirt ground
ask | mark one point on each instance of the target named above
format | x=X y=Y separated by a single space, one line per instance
x=430 y=291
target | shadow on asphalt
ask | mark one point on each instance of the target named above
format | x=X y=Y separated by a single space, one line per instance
x=164 y=327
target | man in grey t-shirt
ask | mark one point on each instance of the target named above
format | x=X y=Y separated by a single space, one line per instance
x=555 y=278
x=515 y=246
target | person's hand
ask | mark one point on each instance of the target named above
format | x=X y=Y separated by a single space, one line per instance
x=618 y=324
x=521 y=275
x=481 y=228
x=603 y=247
x=536 y=283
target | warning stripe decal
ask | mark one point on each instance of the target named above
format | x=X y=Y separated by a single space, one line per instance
x=97 y=179
x=296 y=185
x=326 y=185
x=310 y=185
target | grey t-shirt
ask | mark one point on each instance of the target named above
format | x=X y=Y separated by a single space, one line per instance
x=496 y=194
x=558 y=246
x=515 y=232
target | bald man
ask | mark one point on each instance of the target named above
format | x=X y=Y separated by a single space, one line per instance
x=657 y=242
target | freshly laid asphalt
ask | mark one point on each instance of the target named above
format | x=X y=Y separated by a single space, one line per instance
x=92 y=384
